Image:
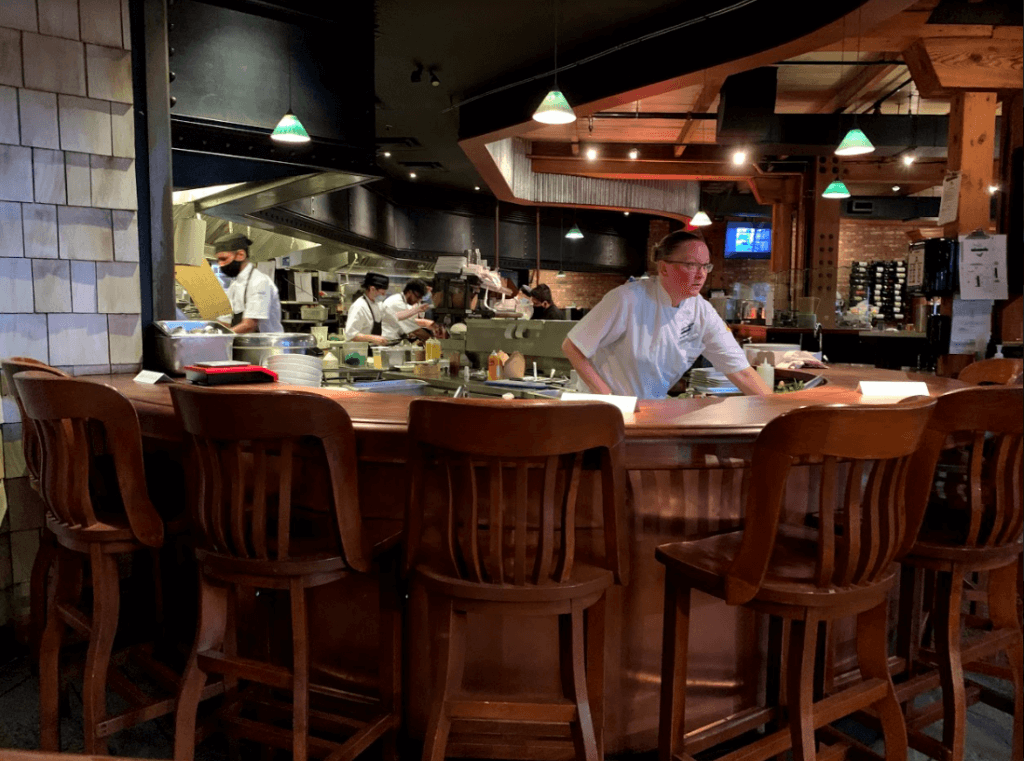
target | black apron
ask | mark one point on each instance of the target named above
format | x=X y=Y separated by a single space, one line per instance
x=378 y=326
x=237 y=317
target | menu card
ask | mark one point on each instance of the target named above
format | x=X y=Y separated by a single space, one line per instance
x=628 y=404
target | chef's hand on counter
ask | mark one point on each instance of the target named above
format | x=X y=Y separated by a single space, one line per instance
x=247 y=325
x=585 y=368
x=749 y=382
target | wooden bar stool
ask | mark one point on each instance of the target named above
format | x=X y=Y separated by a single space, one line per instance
x=505 y=544
x=1004 y=371
x=808 y=577
x=971 y=522
x=255 y=529
x=47 y=553
x=95 y=521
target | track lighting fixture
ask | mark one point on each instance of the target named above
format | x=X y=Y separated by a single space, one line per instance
x=417 y=74
x=591 y=153
x=908 y=159
x=634 y=153
x=434 y=81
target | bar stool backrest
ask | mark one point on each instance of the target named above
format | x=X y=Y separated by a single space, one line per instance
x=63 y=411
x=985 y=423
x=29 y=438
x=1002 y=371
x=481 y=446
x=864 y=453
x=246 y=444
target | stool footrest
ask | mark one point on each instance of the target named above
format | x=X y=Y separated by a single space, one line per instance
x=497 y=710
x=75 y=618
x=246 y=668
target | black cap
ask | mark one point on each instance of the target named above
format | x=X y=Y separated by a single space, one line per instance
x=232 y=242
x=376 y=280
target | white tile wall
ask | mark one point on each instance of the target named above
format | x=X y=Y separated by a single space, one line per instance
x=117 y=287
x=23 y=335
x=78 y=339
x=125 y=338
x=18 y=14
x=15 y=173
x=40 y=225
x=12 y=241
x=113 y=182
x=52 y=281
x=84 y=125
x=83 y=287
x=109 y=73
x=53 y=64
x=50 y=182
x=126 y=33
x=10 y=57
x=79 y=370
x=85 y=234
x=59 y=18
x=101 y=22
x=126 y=236
x=9 y=116
x=39 y=119
x=16 y=285
x=122 y=119
x=79 y=179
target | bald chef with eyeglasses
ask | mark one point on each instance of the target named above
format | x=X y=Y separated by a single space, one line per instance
x=642 y=336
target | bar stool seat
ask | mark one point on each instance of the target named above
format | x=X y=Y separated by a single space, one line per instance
x=809 y=577
x=587 y=581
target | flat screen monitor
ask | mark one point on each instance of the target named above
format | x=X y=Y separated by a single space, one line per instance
x=748 y=240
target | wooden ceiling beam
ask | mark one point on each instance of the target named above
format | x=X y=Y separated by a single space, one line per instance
x=635 y=170
x=941 y=66
x=862 y=82
x=894 y=173
x=771 y=189
x=708 y=92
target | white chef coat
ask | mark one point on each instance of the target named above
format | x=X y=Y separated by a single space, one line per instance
x=393 y=327
x=641 y=345
x=254 y=295
x=361 y=318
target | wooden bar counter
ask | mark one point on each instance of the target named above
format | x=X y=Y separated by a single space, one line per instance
x=687 y=463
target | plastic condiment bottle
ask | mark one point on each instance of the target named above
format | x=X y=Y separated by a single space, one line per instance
x=433 y=348
x=494 y=366
x=767 y=373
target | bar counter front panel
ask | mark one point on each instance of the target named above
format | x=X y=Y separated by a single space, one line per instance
x=687 y=476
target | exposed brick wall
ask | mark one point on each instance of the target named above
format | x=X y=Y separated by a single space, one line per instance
x=867 y=239
x=584 y=289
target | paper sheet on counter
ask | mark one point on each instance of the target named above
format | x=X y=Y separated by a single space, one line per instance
x=880 y=392
x=628 y=404
x=205 y=289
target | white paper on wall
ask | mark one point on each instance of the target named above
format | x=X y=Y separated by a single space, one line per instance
x=971 y=326
x=983 y=267
x=950 y=203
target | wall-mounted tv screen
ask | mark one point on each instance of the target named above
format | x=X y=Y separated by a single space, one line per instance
x=748 y=240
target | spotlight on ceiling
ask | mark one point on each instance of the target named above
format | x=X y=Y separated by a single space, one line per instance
x=739 y=157
x=634 y=153
x=412 y=175
x=908 y=159
x=434 y=81
x=993 y=189
x=476 y=187
x=417 y=74
x=386 y=154
x=895 y=188
x=591 y=153
x=626 y=213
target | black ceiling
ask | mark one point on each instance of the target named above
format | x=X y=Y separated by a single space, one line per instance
x=473 y=47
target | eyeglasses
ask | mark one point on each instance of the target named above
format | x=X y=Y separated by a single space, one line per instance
x=691 y=266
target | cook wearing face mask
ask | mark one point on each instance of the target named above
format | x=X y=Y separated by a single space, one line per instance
x=255 y=303
x=365 y=318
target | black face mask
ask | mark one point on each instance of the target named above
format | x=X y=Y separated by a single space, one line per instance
x=232 y=268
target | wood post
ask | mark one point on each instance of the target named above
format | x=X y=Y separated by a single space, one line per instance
x=972 y=129
x=823 y=242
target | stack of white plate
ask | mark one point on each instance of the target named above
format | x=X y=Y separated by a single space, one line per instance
x=297 y=369
x=707 y=380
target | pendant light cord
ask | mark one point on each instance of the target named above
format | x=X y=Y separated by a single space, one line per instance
x=289 y=45
x=556 y=44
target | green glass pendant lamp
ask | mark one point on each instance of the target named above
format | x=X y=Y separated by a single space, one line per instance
x=290 y=129
x=555 y=109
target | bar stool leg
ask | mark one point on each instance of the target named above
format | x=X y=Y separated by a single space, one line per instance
x=105 y=608
x=450 y=649
x=390 y=655
x=213 y=612
x=572 y=659
x=674 y=661
x=300 y=672
x=39 y=591
x=1002 y=607
x=595 y=621
x=67 y=590
x=872 y=657
x=949 y=589
x=803 y=646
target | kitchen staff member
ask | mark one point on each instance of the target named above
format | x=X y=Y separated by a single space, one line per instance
x=255 y=303
x=544 y=304
x=642 y=336
x=365 y=318
x=402 y=309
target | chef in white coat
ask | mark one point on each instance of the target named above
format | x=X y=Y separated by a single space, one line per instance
x=255 y=303
x=366 y=317
x=642 y=336
x=401 y=311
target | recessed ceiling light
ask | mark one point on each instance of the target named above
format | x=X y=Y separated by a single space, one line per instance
x=476 y=187
x=993 y=188
x=591 y=153
x=633 y=154
x=626 y=213
x=386 y=154
x=895 y=188
x=739 y=157
x=412 y=175
x=908 y=159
